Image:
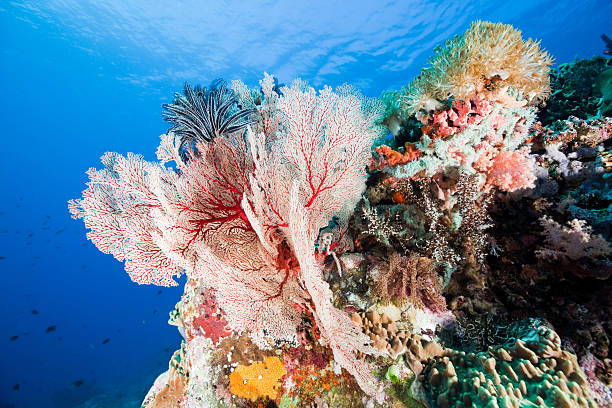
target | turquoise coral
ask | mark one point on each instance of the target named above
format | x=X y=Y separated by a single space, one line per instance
x=531 y=370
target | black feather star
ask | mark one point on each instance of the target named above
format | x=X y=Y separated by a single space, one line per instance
x=200 y=115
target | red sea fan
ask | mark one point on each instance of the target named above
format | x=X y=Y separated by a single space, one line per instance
x=314 y=170
x=117 y=207
x=242 y=215
x=202 y=205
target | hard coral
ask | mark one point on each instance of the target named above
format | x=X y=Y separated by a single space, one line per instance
x=534 y=371
x=383 y=331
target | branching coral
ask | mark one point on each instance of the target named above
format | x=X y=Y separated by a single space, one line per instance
x=385 y=229
x=455 y=210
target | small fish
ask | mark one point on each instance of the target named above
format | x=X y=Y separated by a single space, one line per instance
x=83 y=267
x=167 y=349
x=154 y=311
x=14 y=338
x=608 y=42
x=105 y=341
x=59 y=231
x=2 y=257
x=15 y=387
x=34 y=311
x=159 y=292
x=30 y=235
x=50 y=329
x=78 y=383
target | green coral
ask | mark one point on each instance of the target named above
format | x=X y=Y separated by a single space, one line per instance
x=603 y=87
x=530 y=369
x=573 y=90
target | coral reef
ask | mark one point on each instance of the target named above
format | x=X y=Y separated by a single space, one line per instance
x=445 y=245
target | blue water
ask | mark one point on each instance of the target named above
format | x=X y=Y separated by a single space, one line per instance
x=79 y=78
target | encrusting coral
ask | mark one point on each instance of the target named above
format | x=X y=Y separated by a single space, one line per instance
x=258 y=380
x=330 y=264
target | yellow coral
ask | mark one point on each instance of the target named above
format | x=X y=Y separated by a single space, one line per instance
x=486 y=61
x=258 y=380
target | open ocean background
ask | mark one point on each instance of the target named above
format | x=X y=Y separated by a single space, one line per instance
x=78 y=78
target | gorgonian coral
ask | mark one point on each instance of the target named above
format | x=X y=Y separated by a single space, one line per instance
x=242 y=214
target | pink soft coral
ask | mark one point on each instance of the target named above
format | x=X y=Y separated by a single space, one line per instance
x=508 y=170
